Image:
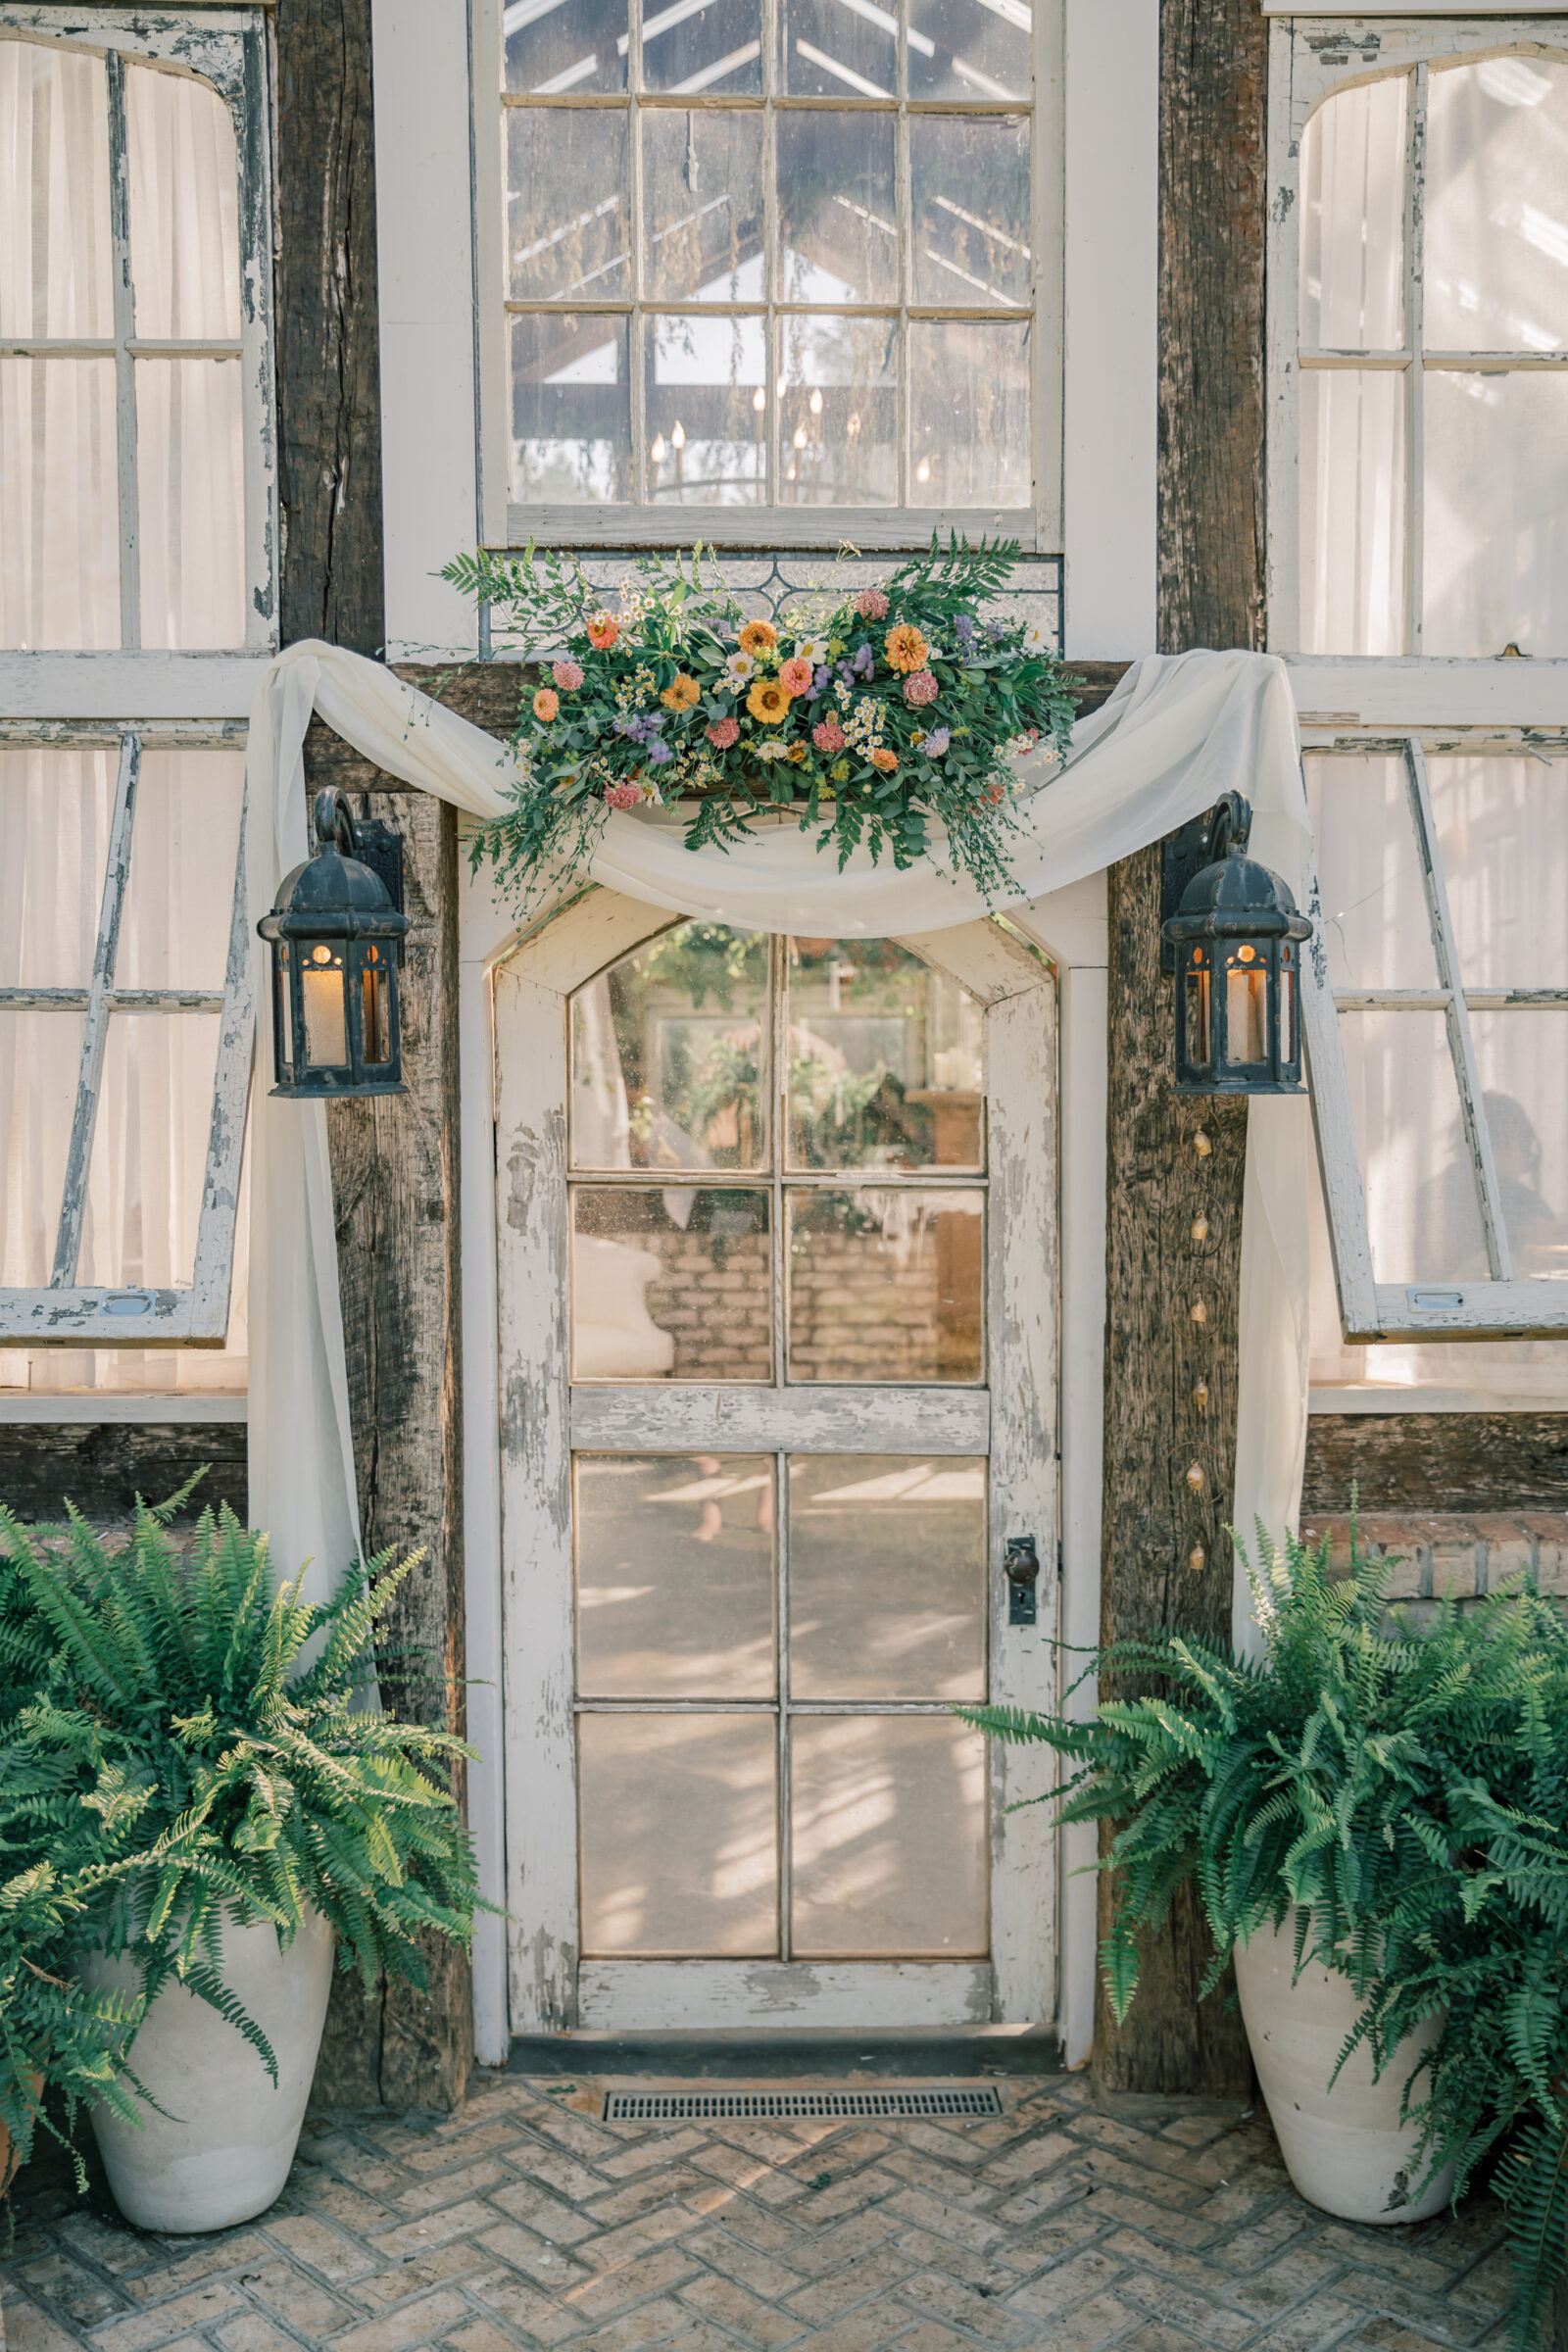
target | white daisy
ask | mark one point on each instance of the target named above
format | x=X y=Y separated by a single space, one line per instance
x=772 y=749
x=812 y=650
x=1039 y=639
x=740 y=667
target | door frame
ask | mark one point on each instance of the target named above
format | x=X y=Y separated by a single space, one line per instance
x=550 y=1990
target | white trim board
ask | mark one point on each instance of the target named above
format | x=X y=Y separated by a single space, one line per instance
x=123 y=688
x=69 y=1408
x=637 y=1997
x=1410 y=8
x=1375 y=1397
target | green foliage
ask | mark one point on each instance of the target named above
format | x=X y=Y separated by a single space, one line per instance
x=658 y=714
x=195 y=1746
x=1404 y=1797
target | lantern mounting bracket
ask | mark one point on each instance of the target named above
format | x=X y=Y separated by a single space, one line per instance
x=1200 y=842
x=364 y=837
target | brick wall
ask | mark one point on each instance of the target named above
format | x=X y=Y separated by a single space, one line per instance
x=1452 y=1552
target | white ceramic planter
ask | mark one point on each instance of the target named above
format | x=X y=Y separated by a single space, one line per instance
x=1346 y=2149
x=220 y=2152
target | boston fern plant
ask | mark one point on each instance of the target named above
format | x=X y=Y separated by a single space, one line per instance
x=1402 y=1797
x=214 y=1730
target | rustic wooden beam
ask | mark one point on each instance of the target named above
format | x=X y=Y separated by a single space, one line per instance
x=393 y=1159
x=328 y=344
x=1424 y=1462
x=1175 y=1164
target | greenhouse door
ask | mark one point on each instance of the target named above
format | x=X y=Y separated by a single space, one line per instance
x=777 y=1318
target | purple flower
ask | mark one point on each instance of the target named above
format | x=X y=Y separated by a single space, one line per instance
x=936 y=743
x=659 y=753
x=865 y=662
x=963 y=628
x=820 y=684
x=996 y=630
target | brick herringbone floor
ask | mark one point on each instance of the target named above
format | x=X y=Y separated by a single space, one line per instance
x=1143 y=2225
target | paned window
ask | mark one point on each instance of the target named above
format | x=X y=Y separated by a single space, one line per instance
x=1419 y=535
x=768 y=258
x=137 y=543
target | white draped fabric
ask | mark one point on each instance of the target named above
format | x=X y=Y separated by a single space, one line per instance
x=1180 y=730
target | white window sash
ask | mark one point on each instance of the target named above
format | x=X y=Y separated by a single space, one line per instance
x=1038 y=526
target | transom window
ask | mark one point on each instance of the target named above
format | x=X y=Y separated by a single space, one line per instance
x=770 y=257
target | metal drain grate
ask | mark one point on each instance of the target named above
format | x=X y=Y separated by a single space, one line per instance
x=765 y=2106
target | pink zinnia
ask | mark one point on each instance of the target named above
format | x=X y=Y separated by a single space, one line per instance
x=828 y=735
x=722 y=733
x=545 y=703
x=794 y=675
x=871 y=605
x=568 y=676
x=920 y=688
x=622 y=796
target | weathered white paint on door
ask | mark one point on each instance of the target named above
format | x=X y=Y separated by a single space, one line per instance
x=541 y=1418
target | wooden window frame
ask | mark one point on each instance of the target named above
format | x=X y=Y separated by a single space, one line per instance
x=1408 y=705
x=138 y=699
x=1036 y=525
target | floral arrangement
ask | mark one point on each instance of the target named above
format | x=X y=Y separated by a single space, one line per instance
x=878 y=715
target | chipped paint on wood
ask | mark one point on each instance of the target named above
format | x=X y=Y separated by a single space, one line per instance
x=541 y=1417
x=648 y=1996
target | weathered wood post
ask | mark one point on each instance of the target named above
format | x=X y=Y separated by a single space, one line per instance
x=394 y=1161
x=1175 y=1164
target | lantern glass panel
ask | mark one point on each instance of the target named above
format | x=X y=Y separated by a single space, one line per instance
x=1289 y=1043
x=1246 y=1009
x=326 y=1044
x=282 y=1010
x=1198 y=1046
x=375 y=1045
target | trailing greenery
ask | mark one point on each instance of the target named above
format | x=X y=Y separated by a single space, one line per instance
x=1401 y=1796
x=186 y=1745
x=887 y=717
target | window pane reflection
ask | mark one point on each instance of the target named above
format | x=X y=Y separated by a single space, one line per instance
x=670 y=1285
x=885 y=1286
x=1369 y=873
x=571 y=409
x=702 y=207
x=668 y=1052
x=1352 y=220
x=1528 y=1123
x=1497 y=213
x=839 y=417
x=1495 y=484
x=560 y=45
x=680 y=1829
x=887 y=1577
x=1502 y=834
x=969 y=48
x=707 y=409
x=886 y=1060
x=968 y=413
x=568 y=206
x=888 y=1838
x=1422 y=1204
x=674 y=1576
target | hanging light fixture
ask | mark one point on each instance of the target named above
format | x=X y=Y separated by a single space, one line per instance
x=1234 y=943
x=336 y=934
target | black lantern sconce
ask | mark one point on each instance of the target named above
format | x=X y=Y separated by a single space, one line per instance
x=336 y=935
x=1233 y=938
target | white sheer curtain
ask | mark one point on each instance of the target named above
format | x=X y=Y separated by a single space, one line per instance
x=1352 y=456
x=64 y=511
x=155 y=1100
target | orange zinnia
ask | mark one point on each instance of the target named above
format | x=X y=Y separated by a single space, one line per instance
x=885 y=759
x=794 y=675
x=546 y=702
x=904 y=647
x=602 y=630
x=759 y=637
x=681 y=692
x=768 y=702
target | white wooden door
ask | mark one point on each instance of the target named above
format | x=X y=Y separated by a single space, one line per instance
x=778 y=1329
